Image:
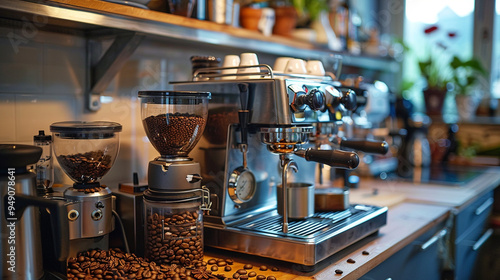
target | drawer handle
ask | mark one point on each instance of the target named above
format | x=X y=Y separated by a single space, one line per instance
x=434 y=239
x=480 y=242
x=484 y=206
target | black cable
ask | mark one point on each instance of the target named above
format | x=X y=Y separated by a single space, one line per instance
x=127 y=249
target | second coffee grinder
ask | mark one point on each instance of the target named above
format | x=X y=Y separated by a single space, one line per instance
x=174 y=122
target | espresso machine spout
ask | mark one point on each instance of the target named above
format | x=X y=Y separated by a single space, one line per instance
x=286 y=163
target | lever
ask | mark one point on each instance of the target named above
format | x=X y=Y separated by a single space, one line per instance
x=244 y=113
x=334 y=158
x=365 y=145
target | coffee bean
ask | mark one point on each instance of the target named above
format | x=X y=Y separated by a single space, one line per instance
x=351 y=260
x=221 y=263
x=244 y=277
x=365 y=253
x=263 y=268
x=261 y=277
x=248 y=266
x=236 y=275
x=211 y=261
x=227 y=268
x=229 y=261
x=175 y=238
x=86 y=167
x=173 y=134
x=252 y=274
x=241 y=271
x=214 y=268
x=338 y=271
x=271 y=277
x=274 y=268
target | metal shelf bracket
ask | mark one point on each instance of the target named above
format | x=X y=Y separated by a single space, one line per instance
x=103 y=71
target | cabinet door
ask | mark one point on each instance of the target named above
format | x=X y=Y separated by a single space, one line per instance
x=418 y=260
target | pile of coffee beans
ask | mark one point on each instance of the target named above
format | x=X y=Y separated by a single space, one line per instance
x=173 y=134
x=174 y=238
x=115 y=264
x=86 y=167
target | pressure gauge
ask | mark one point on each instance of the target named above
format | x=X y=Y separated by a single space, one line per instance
x=241 y=185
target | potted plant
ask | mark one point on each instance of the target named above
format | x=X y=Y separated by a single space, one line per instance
x=466 y=79
x=435 y=71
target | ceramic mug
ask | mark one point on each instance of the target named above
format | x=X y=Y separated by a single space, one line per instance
x=249 y=59
x=230 y=60
x=296 y=66
x=315 y=67
x=280 y=64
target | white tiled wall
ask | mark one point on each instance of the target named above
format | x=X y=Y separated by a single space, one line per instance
x=42 y=81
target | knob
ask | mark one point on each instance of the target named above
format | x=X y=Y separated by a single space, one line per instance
x=315 y=99
x=346 y=97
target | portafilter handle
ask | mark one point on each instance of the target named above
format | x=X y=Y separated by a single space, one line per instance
x=365 y=145
x=58 y=219
x=334 y=158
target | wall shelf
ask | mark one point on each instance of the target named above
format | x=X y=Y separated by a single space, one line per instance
x=95 y=15
x=94 y=18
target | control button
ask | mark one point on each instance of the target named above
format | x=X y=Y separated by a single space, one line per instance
x=99 y=205
x=96 y=215
x=73 y=215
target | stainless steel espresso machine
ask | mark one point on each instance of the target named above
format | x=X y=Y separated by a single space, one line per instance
x=257 y=133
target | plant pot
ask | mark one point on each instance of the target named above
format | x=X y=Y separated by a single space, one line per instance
x=249 y=18
x=258 y=19
x=434 y=101
x=286 y=20
x=467 y=106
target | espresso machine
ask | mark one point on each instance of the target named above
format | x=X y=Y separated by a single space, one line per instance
x=86 y=152
x=259 y=165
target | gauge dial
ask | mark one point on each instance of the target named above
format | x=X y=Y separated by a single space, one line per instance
x=241 y=185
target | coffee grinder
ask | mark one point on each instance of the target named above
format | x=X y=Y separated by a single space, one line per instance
x=86 y=151
x=174 y=122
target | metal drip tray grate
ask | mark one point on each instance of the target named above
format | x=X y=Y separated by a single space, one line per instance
x=308 y=228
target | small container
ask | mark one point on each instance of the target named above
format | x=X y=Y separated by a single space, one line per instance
x=86 y=151
x=44 y=166
x=174 y=227
x=300 y=200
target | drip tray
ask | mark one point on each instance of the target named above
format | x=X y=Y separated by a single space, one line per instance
x=307 y=242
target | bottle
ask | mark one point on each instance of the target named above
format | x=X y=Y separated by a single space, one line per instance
x=44 y=168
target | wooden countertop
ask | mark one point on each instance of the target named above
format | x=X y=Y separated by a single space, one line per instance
x=406 y=221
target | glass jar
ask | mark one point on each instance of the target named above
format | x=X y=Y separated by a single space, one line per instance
x=174 y=227
x=174 y=120
x=86 y=151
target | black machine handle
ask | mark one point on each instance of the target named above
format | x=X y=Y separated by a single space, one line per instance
x=365 y=145
x=58 y=219
x=334 y=158
x=244 y=113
